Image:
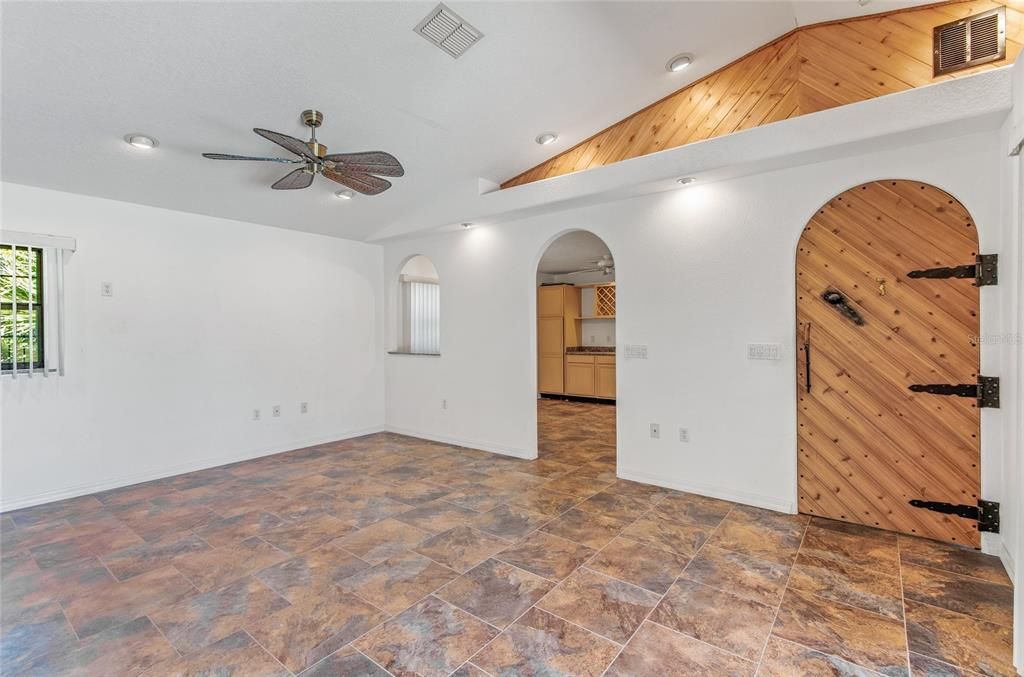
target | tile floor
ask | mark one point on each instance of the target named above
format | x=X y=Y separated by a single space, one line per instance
x=387 y=554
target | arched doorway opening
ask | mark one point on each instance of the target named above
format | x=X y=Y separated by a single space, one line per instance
x=576 y=393
x=882 y=324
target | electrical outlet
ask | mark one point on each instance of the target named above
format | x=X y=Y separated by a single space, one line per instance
x=255 y=414
x=684 y=435
x=276 y=411
x=107 y=288
x=444 y=404
x=303 y=407
x=655 y=431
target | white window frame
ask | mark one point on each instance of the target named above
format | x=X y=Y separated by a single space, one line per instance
x=421 y=315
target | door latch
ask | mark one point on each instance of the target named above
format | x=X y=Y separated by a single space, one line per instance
x=838 y=300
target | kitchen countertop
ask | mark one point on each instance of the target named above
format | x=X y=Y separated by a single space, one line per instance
x=603 y=350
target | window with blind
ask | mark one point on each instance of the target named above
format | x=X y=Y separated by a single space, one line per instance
x=22 y=324
x=421 y=300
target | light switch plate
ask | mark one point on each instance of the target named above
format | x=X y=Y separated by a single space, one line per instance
x=764 y=351
x=632 y=351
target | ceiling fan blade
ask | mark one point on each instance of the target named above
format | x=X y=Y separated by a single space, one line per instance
x=371 y=162
x=296 y=146
x=225 y=156
x=358 y=181
x=299 y=178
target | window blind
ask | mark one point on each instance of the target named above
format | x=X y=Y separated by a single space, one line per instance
x=422 y=332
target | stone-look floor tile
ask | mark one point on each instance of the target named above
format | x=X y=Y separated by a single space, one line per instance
x=755 y=579
x=495 y=592
x=431 y=639
x=509 y=522
x=785 y=659
x=656 y=651
x=127 y=649
x=575 y=486
x=298 y=508
x=479 y=497
x=876 y=551
x=237 y=655
x=650 y=493
x=53 y=512
x=512 y=481
x=692 y=509
x=31 y=632
x=461 y=548
x=96 y=535
x=114 y=604
x=24 y=538
x=861 y=637
x=626 y=508
x=203 y=619
x=541 y=644
x=775 y=542
x=366 y=510
x=415 y=493
x=323 y=621
x=327 y=565
x=925 y=666
x=971 y=596
x=604 y=605
x=590 y=529
x=682 y=539
x=399 y=582
x=437 y=516
x=238 y=528
x=640 y=564
x=345 y=662
x=27 y=586
x=952 y=558
x=134 y=493
x=382 y=540
x=300 y=486
x=216 y=568
x=959 y=640
x=153 y=522
x=302 y=536
x=547 y=468
x=873 y=589
x=470 y=670
x=543 y=501
x=546 y=555
x=735 y=624
x=139 y=559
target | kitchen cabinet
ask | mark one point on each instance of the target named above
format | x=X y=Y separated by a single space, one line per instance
x=558 y=310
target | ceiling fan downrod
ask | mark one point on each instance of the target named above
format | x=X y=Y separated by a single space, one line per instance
x=313 y=118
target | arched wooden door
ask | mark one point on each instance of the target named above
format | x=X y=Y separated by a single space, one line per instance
x=868 y=443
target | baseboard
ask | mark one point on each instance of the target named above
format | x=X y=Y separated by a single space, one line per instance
x=1006 y=557
x=462 y=442
x=712 y=491
x=172 y=470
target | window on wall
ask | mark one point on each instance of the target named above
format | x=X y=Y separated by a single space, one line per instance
x=22 y=326
x=420 y=308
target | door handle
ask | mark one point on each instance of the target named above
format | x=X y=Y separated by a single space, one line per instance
x=838 y=300
x=807 y=357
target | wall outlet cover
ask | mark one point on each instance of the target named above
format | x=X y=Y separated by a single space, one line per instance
x=655 y=431
x=304 y=407
x=276 y=410
x=684 y=435
x=107 y=288
x=255 y=414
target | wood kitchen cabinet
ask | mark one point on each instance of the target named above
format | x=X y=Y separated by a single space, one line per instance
x=579 y=375
x=558 y=310
x=604 y=376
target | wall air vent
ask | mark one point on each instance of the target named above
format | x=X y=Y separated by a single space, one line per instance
x=447 y=30
x=969 y=42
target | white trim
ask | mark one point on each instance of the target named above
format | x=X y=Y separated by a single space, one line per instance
x=1006 y=557
x=756 y=500
x=526 y=454
x=172 y=470
x=22 y=239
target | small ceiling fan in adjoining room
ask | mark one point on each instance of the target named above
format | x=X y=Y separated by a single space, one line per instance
x=359 y=171
x=604 y=265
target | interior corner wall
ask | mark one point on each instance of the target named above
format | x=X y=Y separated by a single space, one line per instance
x=209 y=320
x=700 y=272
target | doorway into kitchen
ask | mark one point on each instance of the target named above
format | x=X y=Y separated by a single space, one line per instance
x=576 y=304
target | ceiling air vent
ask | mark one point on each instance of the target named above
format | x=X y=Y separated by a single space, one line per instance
x=447 y=30
x=969 y=42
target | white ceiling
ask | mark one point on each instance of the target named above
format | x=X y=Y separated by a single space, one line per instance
x=77 y=76
x=571 y=252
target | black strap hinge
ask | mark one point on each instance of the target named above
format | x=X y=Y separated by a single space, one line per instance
x=984 y=271
x=986 y=513
x=986 y=390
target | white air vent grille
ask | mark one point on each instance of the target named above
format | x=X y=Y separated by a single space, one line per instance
x=969 y=42
x=447 y=30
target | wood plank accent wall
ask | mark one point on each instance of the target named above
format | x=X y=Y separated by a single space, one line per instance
x=811 y=69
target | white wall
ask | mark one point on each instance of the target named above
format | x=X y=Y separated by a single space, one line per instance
x=209 y=319
x=701 y=271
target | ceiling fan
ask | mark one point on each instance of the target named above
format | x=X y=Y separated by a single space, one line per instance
x=604 y=265
x=359 y=171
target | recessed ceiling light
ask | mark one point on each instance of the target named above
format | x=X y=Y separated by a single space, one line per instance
x=686 y=180
x=678 y=62
x=141 y=141
x=467 y=224
x=344 y=194
x=546 y=138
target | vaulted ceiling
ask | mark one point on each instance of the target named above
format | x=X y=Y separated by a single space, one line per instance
x=77 y=76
